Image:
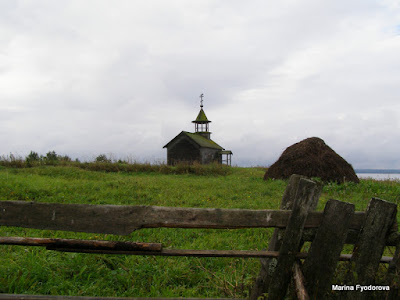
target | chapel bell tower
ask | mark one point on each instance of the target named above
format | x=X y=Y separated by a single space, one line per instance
x=201 y=122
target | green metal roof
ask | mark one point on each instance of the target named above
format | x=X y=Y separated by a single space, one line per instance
x=199 y=140
x=201 y=118
x=202 y=141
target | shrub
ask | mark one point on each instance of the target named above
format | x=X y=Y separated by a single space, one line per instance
x=51 y=156
x=32 y=158
x=102 y=158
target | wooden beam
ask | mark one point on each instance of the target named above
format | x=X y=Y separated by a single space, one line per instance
x=155 y=249
x=299 y=283
x=371 y=243
x=44 y=297
x=184 y=252
x=292 y=239
x=176 y=252
x=394 y=275
x=80 y=244
x=352 y=236
x=123 y=219
x=120 y=219
x=320 y=265
x=262 y=282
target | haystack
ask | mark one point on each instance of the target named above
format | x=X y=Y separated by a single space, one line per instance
x=312 y=158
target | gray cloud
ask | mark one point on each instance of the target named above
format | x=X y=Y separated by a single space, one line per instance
x=89 y=77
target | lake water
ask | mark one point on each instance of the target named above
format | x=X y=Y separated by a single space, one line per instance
x=379 y=176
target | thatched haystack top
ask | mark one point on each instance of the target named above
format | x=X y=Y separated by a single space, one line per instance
x=312 y=158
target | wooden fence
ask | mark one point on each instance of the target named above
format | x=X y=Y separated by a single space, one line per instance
x=296 y=222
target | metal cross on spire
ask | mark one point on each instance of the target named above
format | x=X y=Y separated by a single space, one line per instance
x=201 y=100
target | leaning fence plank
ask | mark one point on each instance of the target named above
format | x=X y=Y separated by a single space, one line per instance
x=394 y=275
x=320 y=264
x=262 y=282
x=291 y=240
x=371 y=243
x=299 y=282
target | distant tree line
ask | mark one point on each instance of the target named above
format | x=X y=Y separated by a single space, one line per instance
x=51 y=157
x=106 y=163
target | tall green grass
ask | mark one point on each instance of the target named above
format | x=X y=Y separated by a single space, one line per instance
x=37 y=271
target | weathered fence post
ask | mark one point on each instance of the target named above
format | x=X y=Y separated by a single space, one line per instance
x=324 y=253
x=394 y=275
x=262 y=282
x=292 y=239
x=371 y=242
x=299 y=282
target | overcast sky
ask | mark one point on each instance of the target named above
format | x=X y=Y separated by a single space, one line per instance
x=124 y=77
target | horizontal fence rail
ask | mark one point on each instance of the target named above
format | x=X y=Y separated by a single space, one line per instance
x=154 y=249
x=124 y=219
x=46 y=297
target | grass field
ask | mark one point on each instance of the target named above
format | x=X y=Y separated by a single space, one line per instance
x=36 y=271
